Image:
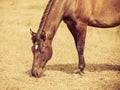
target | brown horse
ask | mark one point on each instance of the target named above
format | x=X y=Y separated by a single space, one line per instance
x=77 y=14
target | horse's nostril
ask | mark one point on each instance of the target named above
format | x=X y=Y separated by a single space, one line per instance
x=35 y=74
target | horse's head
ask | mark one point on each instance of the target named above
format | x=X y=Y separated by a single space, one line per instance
x=42 y=52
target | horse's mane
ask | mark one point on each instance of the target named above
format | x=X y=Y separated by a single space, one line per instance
x=45 y=15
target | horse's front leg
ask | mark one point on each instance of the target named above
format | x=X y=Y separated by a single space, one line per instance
x=79 y=34
x=80 y=43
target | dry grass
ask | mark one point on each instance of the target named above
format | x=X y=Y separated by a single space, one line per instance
x=102 y=53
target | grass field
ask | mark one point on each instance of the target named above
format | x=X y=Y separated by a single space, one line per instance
x=102 y=53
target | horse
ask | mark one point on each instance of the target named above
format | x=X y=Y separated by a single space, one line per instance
x=77 y=15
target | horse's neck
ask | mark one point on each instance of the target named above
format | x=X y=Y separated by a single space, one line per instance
x=53 y=19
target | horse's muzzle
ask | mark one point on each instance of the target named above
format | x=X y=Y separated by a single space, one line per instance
x=37 y=73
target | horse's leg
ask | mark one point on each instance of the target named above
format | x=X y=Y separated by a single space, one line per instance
x=79 y=34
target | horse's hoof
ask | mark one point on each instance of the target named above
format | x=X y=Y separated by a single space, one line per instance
x=78 y=71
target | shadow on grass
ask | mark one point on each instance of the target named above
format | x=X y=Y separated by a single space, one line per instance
x=69 y=68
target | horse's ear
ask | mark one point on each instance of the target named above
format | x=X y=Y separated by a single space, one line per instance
x=31 y=32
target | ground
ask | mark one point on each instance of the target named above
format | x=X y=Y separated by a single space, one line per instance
x=102 y=53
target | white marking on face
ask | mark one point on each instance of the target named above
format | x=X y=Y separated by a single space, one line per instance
x=36 y=46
